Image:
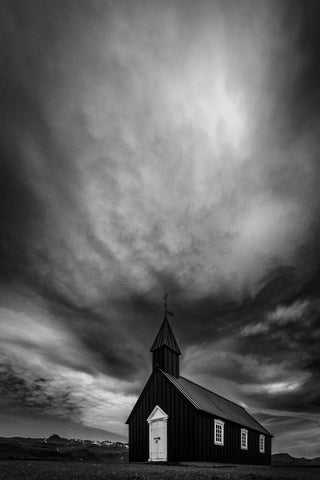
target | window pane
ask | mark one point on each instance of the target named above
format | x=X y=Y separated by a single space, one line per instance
x=218 y=433
x=244 y=439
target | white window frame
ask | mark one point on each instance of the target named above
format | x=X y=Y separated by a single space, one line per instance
x=219 y=423
x=244 y=434
x=262 y=443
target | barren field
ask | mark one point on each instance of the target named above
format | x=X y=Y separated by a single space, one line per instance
x=38 y=470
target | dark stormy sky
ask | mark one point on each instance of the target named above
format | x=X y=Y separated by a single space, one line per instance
x=150 y=146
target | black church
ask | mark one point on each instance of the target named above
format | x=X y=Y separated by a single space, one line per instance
x=174 y=419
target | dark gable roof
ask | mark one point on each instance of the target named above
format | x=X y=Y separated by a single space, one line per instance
x=212 y=403
x=165 y=337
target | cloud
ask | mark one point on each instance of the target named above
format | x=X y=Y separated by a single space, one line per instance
x=281 y=316
x=284 y=314
x=147 y=166
x=47 y=388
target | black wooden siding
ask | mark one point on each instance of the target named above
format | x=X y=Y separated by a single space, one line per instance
x=190 y=432
x=207 y=451
x=181 y=430
x=167 y=360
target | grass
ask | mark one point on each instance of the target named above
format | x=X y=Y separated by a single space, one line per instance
x=45 y=470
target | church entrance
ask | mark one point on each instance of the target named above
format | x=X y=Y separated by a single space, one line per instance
x=157 y=435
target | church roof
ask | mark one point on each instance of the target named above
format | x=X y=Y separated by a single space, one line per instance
x=165 y=337
x=210 y=402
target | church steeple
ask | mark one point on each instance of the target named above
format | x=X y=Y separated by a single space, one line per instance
x=165 y=349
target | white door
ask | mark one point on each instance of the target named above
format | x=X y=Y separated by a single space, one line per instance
x=158 y=435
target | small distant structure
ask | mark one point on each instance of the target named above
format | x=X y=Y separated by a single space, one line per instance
x=175 y=419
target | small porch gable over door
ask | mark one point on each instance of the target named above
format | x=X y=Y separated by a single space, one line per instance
x=158 y=435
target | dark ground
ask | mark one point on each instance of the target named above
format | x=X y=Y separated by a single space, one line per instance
x=41 y=470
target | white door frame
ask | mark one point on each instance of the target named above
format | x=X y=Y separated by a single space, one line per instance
x=157 y=415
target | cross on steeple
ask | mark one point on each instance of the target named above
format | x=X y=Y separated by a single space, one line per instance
x=165 y=300
x=166 y=311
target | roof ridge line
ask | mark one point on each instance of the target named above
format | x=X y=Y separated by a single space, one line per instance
x=211 y=391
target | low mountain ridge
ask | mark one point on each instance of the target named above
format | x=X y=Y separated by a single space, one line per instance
x=286 y=460
x=62 y=449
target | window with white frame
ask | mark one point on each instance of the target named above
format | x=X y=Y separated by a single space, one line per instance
x=219 y=432
x=261 y=443
x=244 y=439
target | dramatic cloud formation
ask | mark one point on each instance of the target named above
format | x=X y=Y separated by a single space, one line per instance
x=152 y=145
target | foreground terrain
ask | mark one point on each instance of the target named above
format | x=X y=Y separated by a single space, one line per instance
x=46 y=470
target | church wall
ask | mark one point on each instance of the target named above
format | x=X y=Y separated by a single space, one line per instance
x=231 y=451
x=190 y=432
x=181 y=422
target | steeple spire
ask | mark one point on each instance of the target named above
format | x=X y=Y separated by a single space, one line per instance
x=165 y=349
x=165 y=337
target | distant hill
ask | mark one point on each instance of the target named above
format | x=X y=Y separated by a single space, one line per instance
x=286 y=460
x=58 y=448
